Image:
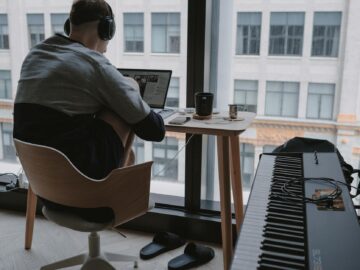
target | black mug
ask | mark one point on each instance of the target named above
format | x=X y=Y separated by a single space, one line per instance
x=204 y=103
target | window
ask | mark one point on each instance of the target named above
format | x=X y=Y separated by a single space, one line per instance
x=4 y=32
x=133 y=32
x=248 y=33
x=286 y=33
x=36 y=28
x=326 y=34
x=57 y=23
x=320 y=101
x=9 y=152
x=268 y=148
x=173 y=94
x=5 y=84
x=165 y=33
x=138 y=148
x=282 y=99
x=245 y=93
x=165 y=160
x=247 y=154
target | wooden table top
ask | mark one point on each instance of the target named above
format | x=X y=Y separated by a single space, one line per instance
x=218 y=125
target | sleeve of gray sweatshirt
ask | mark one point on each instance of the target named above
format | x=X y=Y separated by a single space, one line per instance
x=122 y=95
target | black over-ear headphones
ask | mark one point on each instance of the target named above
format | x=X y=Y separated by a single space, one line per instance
x=106 y=27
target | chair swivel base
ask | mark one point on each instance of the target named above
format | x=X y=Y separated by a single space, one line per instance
x=94 y=260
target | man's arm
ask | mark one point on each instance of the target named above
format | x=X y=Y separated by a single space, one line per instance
x=151 y=128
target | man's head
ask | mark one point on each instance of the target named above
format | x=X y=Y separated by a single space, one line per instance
x=92 y=21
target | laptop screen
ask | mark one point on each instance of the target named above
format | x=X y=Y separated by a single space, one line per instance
x=154 y=84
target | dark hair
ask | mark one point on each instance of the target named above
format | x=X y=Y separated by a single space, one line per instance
x=83 y=11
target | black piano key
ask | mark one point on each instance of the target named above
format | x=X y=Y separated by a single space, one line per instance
x=285 y=211
x=284 y=243
x=283 y=250
x=281 y=263
x=269 y=266
x=281 y=257
x=282 y=215
x=286 y=226
x=284 y=236
x=282 y=230
x=281 y=220
x=286 y=205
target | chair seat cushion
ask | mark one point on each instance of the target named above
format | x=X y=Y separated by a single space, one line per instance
x=73 y=221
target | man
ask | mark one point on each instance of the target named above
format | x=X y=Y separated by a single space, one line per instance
x=71 y=98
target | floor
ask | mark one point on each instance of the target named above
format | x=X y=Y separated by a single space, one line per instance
x=52 y=242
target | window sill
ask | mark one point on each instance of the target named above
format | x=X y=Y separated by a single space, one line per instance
x=133 y=53
x=249 y=56
x=324 y=58
x=295 y=119
x=285 y=57
x=166 y=54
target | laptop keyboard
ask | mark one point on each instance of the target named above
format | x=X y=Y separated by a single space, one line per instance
x=165 y=113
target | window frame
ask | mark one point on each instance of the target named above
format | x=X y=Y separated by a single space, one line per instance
x=57 y=25
x=134 y=27
x=6 y=80
x=325 y=37
x=167 y=37
x=250 y=28
x=169 y=160
x=282 y=93
x=9 y=152
x=39 y=36
x=320 y=101
x=246 y=93
x=286 y=35
x=4 y=32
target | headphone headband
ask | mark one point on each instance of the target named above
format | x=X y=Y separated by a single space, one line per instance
x=106 y=27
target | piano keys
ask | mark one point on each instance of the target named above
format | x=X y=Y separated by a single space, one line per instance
x=281 y=233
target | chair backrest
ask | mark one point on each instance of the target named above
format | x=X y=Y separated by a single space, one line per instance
x=52 y=176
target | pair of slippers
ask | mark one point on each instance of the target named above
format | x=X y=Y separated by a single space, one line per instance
x=194 y=254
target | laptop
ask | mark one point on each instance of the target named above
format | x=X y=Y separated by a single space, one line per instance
x=154 y=86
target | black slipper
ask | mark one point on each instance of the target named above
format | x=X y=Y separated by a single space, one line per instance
x=162 y=242
x=194 y=255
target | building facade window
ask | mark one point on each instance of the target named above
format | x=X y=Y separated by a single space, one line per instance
x=165 y=36
x=268 y=148
x=247 y=156
x=4 y=32
x=282 y=99
x=5 y=84
x=165 y=161
x=248 y=33
x=320 y=101
x=9 y=152
x=245 y=94
x=286 y=33
x=133 y=32
x=172 y=99
x=138 y=148
x=326 y=34
x=35 y=28
x=57 y=23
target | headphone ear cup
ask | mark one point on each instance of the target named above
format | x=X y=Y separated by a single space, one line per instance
x=106 y=28
x=67 y=27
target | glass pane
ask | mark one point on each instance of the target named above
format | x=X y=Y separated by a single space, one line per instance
x=326 y=108
x=57 y=22
x=133 y=32
x=165 y=32
x=282 y=105
x=313 y=106
x=290 y=105
x=326 y=34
